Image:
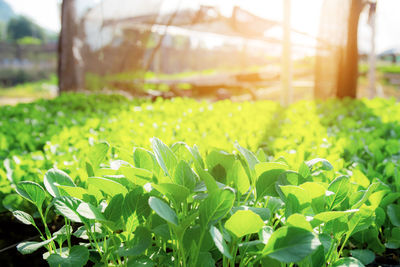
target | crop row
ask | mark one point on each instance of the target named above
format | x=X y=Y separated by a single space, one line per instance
x=320 y=186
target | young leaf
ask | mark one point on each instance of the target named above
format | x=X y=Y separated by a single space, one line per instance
x=77 y=257
x=137 y=176
x=331 y=215
x=67 y=207
x=54 y=178
x=300 y=221
x=216 y=206
x=72 y=191
x=164 y=156
x=175 y=192
x=237 y=175
x=97 y=154
x=371 y=189
x=163 y=210
x=89 y=211
x=32 y=192
x=291 y=244
x=113 y=212
x=184 y=175
x=337 y=192
x=24 y=217
x=250 y=159
x=325 y=165
x=265 y=185
x=108 y=186
x=244 y=222
x=31 y=246
x=220 y=242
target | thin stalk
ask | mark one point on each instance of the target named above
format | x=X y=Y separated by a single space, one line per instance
x=51 y=246
x=67 y=223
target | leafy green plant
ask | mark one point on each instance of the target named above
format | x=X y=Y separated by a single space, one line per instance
x=171 y=208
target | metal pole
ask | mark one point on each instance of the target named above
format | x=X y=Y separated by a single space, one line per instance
x=286 y=68
x=372 y=55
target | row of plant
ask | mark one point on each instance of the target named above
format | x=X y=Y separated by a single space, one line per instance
x=172 y=207
x=357 y=138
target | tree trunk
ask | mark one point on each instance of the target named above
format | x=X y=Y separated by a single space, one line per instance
x=348 y=72
x=68 y=75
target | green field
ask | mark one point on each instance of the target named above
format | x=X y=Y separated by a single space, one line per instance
x=120 y=182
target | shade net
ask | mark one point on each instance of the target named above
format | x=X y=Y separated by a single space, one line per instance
x=132 y=45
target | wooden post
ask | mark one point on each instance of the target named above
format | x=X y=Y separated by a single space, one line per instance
x=372 y=55
x=286 y=67
x=68 y=73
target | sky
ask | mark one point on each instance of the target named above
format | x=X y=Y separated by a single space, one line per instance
x=47 y=14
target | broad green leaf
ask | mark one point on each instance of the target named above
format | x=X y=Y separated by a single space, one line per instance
x=54 y=178
x=244 y=222
x=261 y=155
x=220 y=242
x=299 y=193
x=136 y=206
x=365 y=256
x=371 y=189
x=291 y=244
x=304 y=170
x=216 y=206
x=361 y=220
x=143 y=159
x=77 y=257
x=184 y=176
x=359 y=178
x=89 y=211
x=23 y=217
x=262 y=167
x=73 y=191
x=218 y=163
x=337 y=192
x=108 y=186
x=31 y=246
x=393 y=212
x=137 y=176
x=347 y=262
x=237 y=176
x=317 y=194
x=141 y=241
x=211 y=184
x=163 y=210
x=165 y=158
x=337 y=227
x=264 y=213
x=376 y=198
x=325 y=165
x=177 y=193
x=32 y=192
x=97 y=153
x=67 y=207
x=299 y=221
x=265 y=184
x=113 y=212
x=331 y=215
x=250 y=160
